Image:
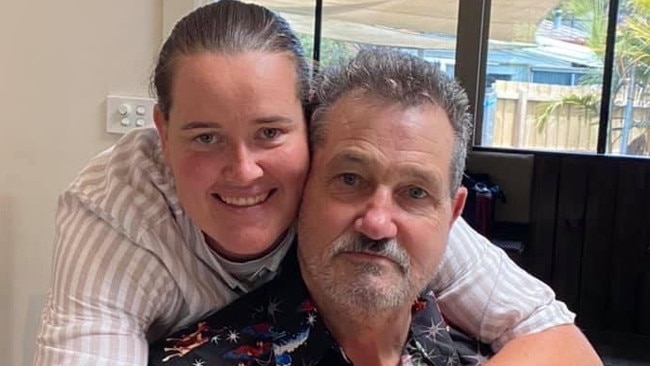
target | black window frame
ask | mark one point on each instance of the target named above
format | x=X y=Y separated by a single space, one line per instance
x=471 y=62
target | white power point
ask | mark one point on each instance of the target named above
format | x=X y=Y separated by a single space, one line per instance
x=126 y=113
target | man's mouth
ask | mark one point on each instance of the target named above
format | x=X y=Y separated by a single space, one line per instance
x=244 y=201
x=369 y=255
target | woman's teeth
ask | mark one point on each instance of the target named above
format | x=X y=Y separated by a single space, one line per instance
x=244 y=201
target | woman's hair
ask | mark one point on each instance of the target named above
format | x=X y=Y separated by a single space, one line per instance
x=227 y=27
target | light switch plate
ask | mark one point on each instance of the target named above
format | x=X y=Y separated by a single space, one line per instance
x=126 y=113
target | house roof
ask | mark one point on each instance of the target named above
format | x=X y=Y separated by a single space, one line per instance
x=527 y=56
x=562 y=32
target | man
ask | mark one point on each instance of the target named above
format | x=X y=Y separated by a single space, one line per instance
x=389 y=139
x=389 y=144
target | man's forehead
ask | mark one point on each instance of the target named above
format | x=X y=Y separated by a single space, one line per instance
x=361 y=98
x=351 y=114
x=358 y=125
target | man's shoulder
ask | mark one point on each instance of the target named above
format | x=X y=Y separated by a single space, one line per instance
x=435 y=339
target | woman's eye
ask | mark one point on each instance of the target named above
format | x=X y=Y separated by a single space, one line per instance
x=417 y=193
x=270 y=133
x=349 y=179
x=206 y=138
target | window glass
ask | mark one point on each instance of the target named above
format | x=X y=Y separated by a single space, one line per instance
x=544 y=75
x=629 y=124
x=544 y=72
x=422 y=27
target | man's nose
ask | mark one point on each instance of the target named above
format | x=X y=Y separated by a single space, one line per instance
x=242 y=166
x=377 y=219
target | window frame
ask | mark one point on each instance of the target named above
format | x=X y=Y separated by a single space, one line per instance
x=473 y=29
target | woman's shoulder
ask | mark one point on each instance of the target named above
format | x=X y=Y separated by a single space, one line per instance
x=130 y=179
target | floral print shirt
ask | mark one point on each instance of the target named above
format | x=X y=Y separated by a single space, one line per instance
x=279 y=325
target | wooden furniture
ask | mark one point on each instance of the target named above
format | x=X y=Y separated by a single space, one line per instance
x=590 y=240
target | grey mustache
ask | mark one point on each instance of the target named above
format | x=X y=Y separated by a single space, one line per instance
x=388 y=248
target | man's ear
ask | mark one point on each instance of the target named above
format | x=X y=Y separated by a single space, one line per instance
x=458 y=203
x=161 y=125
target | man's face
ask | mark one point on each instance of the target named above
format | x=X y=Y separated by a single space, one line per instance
x=377 y=208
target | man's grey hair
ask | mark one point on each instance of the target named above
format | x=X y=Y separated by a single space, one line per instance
x=395 y=77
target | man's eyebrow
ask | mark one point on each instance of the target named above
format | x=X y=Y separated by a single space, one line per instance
x=427 y=177
x=416 y=173
x=346 y=157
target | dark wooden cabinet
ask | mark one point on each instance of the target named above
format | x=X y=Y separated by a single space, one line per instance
x=590 y=239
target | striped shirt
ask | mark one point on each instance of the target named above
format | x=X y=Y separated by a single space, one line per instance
x=130 y=267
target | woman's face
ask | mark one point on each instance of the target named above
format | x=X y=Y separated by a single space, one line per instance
x=236 y=142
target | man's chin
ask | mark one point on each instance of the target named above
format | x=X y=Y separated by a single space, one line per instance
x=372 y=295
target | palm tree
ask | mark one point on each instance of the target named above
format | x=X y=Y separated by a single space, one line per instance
x=631 y=73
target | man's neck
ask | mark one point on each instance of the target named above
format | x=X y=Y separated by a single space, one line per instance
x=373 y=340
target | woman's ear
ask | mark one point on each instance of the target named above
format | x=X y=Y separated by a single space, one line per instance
x=161 y=125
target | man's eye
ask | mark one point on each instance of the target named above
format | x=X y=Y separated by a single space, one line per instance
x=349 y=179
x=417 y=193
x=205 y=138
x=270 y=133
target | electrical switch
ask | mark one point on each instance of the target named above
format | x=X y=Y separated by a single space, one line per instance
x=126 y=113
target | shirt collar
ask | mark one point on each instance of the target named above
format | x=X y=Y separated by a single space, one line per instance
x=280 y=320
x=251 y=274
x=428 y=342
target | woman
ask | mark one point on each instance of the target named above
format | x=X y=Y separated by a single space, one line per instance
x=172 y=223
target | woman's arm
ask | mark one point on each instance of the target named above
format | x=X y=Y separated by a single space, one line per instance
x=560 y=345
x=481 y=291
x=102 y=301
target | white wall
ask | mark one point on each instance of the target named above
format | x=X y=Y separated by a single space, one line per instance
x=58 y=61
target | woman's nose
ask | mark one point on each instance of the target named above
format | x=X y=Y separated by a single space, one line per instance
x=243 y=167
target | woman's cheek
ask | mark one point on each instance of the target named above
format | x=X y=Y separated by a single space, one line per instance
x=201 y=170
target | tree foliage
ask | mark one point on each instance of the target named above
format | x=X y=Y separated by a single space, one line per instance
x=331 y=50
x=631 y=69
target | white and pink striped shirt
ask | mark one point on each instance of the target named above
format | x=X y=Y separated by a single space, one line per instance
x=130 y=267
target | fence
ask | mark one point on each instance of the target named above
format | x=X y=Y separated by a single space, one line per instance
x=513 y=111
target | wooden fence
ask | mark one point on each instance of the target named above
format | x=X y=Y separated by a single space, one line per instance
x=516 y=107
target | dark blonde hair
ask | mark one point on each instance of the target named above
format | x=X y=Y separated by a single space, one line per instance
x=227 y=27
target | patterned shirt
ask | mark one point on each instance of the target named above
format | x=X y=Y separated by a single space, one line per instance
x=279 y=324
x=130 y=267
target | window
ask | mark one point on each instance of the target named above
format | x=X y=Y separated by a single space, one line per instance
x=547 y=53
x=558 y=66
x=553 y=78
x=629 y=104
x=424 y=28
